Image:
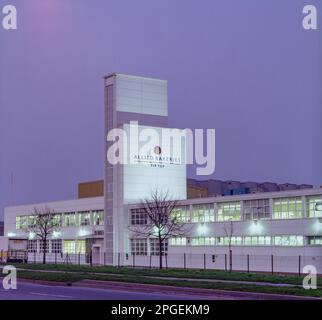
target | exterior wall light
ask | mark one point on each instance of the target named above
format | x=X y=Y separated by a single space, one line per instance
x=31 y=235
x=318 y=225
x=256 y=227
x=202 y=229
x=56 y=234
x=83 y=233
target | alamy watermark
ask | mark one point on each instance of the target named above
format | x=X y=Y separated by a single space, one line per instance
x=9 y=282
x=159 y=147
x=9 y=17
x=310 y=20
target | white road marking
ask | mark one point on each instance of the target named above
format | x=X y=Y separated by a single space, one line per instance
x=51 y=295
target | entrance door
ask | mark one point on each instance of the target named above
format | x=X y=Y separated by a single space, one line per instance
x=96 y=255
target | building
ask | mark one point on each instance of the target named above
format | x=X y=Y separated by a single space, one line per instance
x=280 y=230
x=286 y=224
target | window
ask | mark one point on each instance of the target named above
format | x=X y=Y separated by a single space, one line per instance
x=56 y=246
x=84 y=218
x=234 y=241
x=203 y=213
x=258 y=241
x=70 y=219
x=256 y=209
x=98 y=217
x=178 y=241
x=139 y=247
x=32 y=245
x=74 y=246
x=57 y=220
x=288 y=240
x=182 y=214
x=21 y=222
x=315 y=240
x=314 y=207
x=289 y=208
x=139 y=217
x=42 y=245
x=154 y=247
x=229 y=211
x=203 y=241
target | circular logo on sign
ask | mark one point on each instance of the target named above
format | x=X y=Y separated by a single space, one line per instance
x=157 y=150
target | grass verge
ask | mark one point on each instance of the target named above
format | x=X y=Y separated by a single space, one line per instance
x=178 y=273
x=74 y=277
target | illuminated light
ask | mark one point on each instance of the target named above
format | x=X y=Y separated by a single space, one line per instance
x=11 y=234
x=202 y=229
x=56 y=234
x=31 y=235
x=318 y=225
x=256 y=227
x=83 y=233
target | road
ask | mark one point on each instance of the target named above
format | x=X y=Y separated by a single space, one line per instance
x=31 y=291
x=124 y=291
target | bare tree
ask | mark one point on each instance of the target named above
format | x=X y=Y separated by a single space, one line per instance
x=229 y=231
x=162 y=221
x=43 y=223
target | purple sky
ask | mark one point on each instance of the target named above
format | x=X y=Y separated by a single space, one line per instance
x=246 y=68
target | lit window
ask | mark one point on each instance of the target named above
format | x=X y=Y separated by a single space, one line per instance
x=315 y=240
x=74 y=246
x=203 y=241
x=84 y=218
x=70 y=219
x=287 y=208
x=98 y=217
x=229 y=211
x=178 y=241
x=182 y=214
x=288 y=240
x=314 y=207
x=203 y=213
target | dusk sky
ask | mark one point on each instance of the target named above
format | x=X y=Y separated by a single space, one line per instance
x=246 y=68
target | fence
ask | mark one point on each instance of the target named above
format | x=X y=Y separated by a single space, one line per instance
x=229 y=261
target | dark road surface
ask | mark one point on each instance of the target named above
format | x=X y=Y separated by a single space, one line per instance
x=28 y=291
x=33 y=291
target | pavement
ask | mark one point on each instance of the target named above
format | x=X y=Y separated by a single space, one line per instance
x=103 y=290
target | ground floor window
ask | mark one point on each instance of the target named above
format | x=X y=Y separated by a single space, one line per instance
x=74 y=246
x=155 y=246
x=233 y=241
x=56 y=246
x=258 y=241
x=44 y=246
x=32 y=246
x=139 y=247
x=288 y=240
x=203 y=241
x=317 y=240
x=178 y=241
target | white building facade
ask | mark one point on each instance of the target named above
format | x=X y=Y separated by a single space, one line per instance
x=285 y=227
x=272 y=232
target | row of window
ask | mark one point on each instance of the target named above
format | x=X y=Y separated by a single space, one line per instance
x=284 y=208
x=139 y=247
x=66 y=219
x=57 y=246
x=289 y=240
